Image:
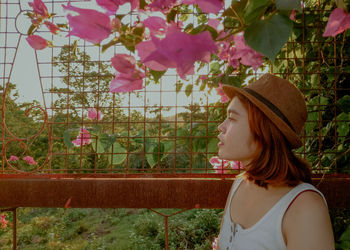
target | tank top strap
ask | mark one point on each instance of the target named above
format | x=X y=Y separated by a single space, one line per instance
x=290 y=197
x=303 y=187
x=236 y=184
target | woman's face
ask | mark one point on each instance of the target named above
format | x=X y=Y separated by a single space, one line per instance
x=236 y=140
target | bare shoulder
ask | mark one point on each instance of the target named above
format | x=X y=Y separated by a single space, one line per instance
x=307 y=225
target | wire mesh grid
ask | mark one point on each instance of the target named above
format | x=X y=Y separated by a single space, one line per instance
x=169 y=128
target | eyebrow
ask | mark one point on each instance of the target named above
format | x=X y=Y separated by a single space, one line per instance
x=232 y=111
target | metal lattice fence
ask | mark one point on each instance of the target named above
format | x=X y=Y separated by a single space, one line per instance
x=169 y=127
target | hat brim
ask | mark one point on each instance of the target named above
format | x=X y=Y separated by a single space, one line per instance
x=289 y=134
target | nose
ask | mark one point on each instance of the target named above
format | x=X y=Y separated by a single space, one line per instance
x=221 y=127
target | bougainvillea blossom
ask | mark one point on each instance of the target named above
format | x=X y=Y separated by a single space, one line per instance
x=292 y=15
x=83 y=138
x=90 y=25
x=220 y=91
x=37 y=42
x=244 y=54
x=112 y=6
x=338 y=22
x=207 y=6
x=215 y=243
x=224 y=48
x=13 y=158
x=123 y=63
x=39 y=8
x=156 y=25
x=223 y=166
x=127 y=82
x=162 y=5
x=215 y=23
x=52 y=27
x=3 y=221
x=93 y=114
x=177 y=50
x=30 y=160
x=128 y=77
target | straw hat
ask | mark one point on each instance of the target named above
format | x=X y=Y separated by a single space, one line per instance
x=280 y=101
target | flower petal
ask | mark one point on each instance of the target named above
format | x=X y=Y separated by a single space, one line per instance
x=338 y=22
x=37 y=42
x=90 y=25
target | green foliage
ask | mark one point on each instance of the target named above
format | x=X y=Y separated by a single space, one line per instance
x=268 y=36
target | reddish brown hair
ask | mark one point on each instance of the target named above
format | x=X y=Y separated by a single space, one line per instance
x=274 y=161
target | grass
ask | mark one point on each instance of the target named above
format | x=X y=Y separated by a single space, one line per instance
x=124 y=229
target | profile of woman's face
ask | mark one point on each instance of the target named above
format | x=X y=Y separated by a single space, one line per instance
x=236 y=140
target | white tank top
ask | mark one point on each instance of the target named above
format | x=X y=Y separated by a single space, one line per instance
x=267 y=232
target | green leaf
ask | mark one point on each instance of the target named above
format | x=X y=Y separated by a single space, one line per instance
x=31 y=29
x=142 y=4
x=188 y=90
x=119 y=154
x=67 y=140
x=215 y=68
x=311 y=123
x=237 y=6
x=157 y=74
x=97 y=147
x=169 y=146
x=343 y=127
x=269 y=36
x=96 y=128
x=213 y=145
x=198 y=29
x=109 y=44
x=255 y=9
x=150 y=159
x=288 y=4
x=178 y=86
x=344 y=103
x=107 y=140
x=171 y=16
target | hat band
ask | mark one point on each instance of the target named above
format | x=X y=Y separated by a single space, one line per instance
x=270 y=105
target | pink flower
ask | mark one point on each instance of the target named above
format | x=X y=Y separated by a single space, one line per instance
x=37 y=42
x=177 y=50
x=161 y=5
x=215 y=243
x=243 y=52
x=224 y=48
x=214 y=23
x=156 y=25
x=128 y=78
x=13 y=158
x=124 y=63
x=39 y=8
x=93 y=114
x=292 y=15
x=127 y=82
x=52 y=27
x=207 y=6
x=220 y=166
x=338 y=22
x=30 y=160
x=3 y=221
x=223 y=166
x=116 y=24
x=83 y=138
x=113 y=5
x=90 y=25
x=224 y=97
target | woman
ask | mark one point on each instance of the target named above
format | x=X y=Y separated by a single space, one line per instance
x=272 y=205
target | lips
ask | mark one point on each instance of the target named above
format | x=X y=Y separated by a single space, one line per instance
x=220 y=141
